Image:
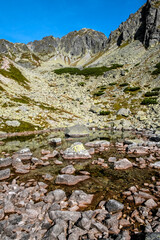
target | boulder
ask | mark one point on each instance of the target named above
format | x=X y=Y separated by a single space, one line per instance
x=122 y=164
x=124 y=112
x=76 y=151
x=59 y=195
x=81 y=197
x=13 y=123
x=77 y=131
x=114 y=206
x=65 y=215
x=70 y=179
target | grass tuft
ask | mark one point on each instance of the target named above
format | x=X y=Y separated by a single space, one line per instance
x=157 y=71
x=148 y=101
x=131 y=89
x=104 y=113
x=151 y=94
x=97 y=71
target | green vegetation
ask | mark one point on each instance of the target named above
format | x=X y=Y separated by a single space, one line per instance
x=103 y=87
x=157 y=71
x=97 y=71
x=137 y=64
x=151 y=94
x=81 y=84
x=99 y=93
x=112 y=84
x=24 y=126
x=148 y=101
x=22 y=99
x=104 y=113
x=1 y=89
x=15 y=74
x=131 y=89
x=157 y=4
x=156 y=89
x=123 y=84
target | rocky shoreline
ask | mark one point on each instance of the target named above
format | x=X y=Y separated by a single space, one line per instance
x=31 y=210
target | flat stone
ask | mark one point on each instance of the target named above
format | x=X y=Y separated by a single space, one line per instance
x=52 y=155
x=76 y=151
x=123 y=164
x=98 y=143
x=77 y=131
x=47 y=176
x=146 y=195
x=70 y=179
x=4 y=174
x=68 y=170
x=57 y=162
x=114 y=206
x=5 y=162
x=45 y=152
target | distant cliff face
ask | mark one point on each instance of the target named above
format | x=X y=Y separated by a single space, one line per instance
x=144 y=26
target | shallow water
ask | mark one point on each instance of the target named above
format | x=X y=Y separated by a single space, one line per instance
x=104 y=183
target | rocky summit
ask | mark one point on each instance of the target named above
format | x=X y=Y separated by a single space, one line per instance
x=80 y=134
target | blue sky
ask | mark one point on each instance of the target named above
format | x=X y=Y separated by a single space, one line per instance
x=25 y=21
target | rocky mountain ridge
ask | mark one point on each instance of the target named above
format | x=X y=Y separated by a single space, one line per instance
x=144 y=26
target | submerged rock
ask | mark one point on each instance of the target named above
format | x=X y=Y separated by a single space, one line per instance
x=123 y=164
x=76 y=151
x=98 y=143
x=68 y=170
x=70 y=179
